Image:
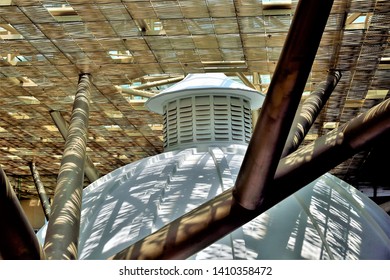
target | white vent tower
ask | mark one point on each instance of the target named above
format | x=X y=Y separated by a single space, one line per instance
x=206 y=109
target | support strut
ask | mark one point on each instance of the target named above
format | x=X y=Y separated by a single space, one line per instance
x=136 y=92
x=41 y=190
x=159 y=83
x=310 y=110
x=281 y=102
x=63 y=228
x=90 y=170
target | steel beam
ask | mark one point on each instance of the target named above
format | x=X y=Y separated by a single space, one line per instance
x=136 y=92
x=281 y=102
x=328 y=151
x=245 y=80
x=159 y=83
x=90 y=170
x=211 y=221
x=17 y=237
x=41 y=190
x=309 y=111
x=63 y=229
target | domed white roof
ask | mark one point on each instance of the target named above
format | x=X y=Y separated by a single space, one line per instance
x=328 y=219
x=210 y=83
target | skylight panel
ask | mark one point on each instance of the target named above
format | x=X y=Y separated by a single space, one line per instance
x=121 y=56
x=51 y=128
x=377 y=94
x=265 y=79
x=114 y=114
x=29 y=100
x=150 y=26
x=5 y=2
x=8 y=32
x=113 y=127
x=19 y=115
x=358 y=21
x=62 y=12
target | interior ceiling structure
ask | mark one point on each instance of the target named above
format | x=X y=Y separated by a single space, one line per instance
x=134 y=49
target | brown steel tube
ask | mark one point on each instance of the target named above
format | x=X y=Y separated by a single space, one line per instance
x=63 y=229
x=211 y=221
x=159 y=83
x=245 y=80
x=17 y=237
x=90 y=170
x=281 y=102
x=311 y=108
x=41 y=190
x=329 y=150
x=136 y=92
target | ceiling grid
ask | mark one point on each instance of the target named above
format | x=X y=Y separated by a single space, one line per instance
x=45 y=45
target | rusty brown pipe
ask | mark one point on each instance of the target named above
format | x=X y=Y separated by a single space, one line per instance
x=159 y=83
x=311 y=108
x=281 y=102
x=90 y=170
x=328 y=151
x=17 y=237
x=211 y=221
x=41 y=190
x=62 y=235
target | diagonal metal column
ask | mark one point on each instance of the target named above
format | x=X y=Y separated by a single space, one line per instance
x=281 y=102
x=300 y=167
x=41 y=190
x=17 y=237
x=310 y=110
x=245 y=80
x=211 y=221
x=137 y=92
x=63 y=229
x=159 y=83
x=90 y=170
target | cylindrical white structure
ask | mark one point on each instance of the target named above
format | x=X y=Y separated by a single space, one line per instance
x=206 y=110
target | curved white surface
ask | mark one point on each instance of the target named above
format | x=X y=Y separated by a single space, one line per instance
x=328 y=219
x=215 y=83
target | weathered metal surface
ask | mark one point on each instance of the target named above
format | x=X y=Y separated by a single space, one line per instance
x=281 y=103
x=305 y=164
x=63 y=229
x=41 y=191
x=307 y=115
x=90 y=170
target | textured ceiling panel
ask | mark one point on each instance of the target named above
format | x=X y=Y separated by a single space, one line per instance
x=45 y=45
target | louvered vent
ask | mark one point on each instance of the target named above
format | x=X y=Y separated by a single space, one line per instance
x=206 y=119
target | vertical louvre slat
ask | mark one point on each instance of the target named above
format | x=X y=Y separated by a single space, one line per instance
x=172 y=123
x=185 y=121
x=165 y=131
x=221 y=118
x=237 y=116
x=247 y=121
x=203 y=118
